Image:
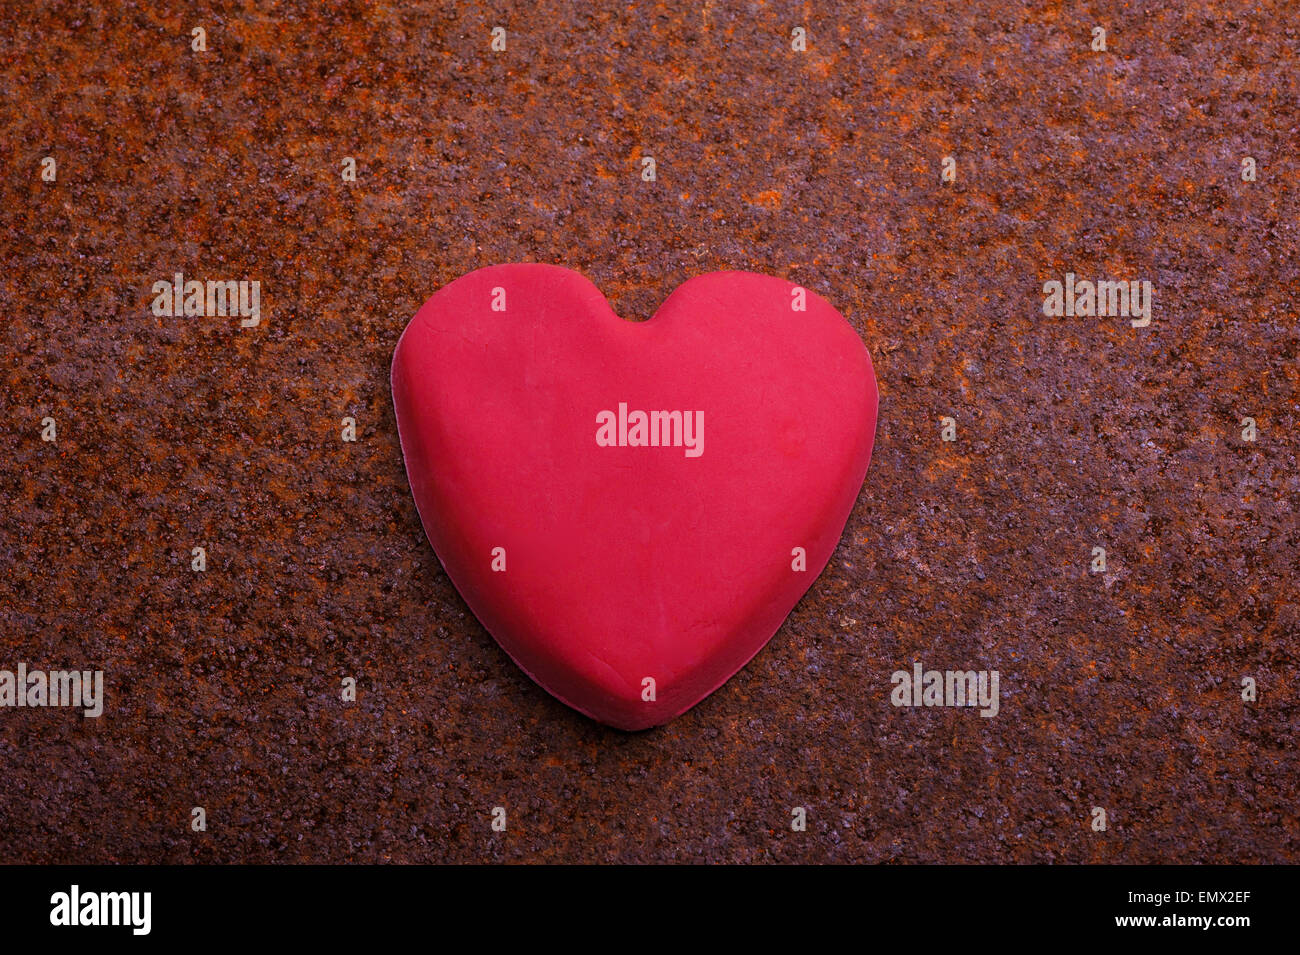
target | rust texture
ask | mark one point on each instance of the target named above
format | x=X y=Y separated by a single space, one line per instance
x=1119 y=690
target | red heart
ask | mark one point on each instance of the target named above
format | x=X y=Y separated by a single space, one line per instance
x=672 y=560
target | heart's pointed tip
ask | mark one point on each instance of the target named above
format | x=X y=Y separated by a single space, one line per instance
x=650 y=718
x=620 y=713
x=634 y=727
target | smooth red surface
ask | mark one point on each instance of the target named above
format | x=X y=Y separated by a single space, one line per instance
x=630 y=562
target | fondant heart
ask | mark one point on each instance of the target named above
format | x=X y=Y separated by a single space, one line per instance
x=632 y=508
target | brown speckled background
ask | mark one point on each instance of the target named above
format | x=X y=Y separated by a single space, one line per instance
x=1119 y=690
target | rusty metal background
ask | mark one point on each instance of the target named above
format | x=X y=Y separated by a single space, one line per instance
x=1119 y=690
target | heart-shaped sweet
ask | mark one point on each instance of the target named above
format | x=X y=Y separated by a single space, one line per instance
x=632 y=508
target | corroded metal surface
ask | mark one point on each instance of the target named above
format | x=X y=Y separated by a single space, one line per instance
x=1120 y=690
